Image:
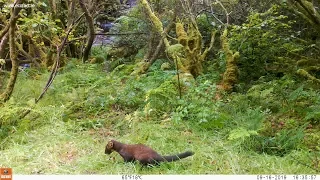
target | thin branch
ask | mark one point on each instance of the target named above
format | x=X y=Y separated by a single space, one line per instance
x=4 y=41
x=225 y=10
x=57 y=63
x=211 y=8
x=204 y=54
x=77 y=39
x=20 y=61
x=56 y=66
x=213 y=14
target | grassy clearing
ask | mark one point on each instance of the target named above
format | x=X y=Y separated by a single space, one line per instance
x=67 y=131
x=58 y=148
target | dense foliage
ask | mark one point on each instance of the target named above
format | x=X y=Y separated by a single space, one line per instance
x=165 y=89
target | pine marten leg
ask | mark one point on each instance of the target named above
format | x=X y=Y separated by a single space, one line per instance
x=128 y=160
x=127 y=157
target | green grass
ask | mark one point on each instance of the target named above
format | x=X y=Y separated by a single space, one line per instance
x=67 y=131
x=58 y=148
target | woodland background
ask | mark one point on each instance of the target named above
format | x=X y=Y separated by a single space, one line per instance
x=235 y=81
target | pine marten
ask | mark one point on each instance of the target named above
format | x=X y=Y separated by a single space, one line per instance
x=144 y=154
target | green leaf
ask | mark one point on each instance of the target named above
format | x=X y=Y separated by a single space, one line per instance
x=266 y=92
x=2 y=62
x=241 y=133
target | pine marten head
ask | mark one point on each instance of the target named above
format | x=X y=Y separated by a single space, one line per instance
x=109 y=148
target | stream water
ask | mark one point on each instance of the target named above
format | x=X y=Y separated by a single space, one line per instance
x=102 y=40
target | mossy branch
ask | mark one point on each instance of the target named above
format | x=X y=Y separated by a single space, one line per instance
x=230 y=76
x=4 y=35
x=155 y=21
x=307 y=11
x=208 y=49
x=4 y=41
x=307 y=75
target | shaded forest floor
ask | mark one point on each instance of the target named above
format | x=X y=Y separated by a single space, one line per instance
x=67 y=131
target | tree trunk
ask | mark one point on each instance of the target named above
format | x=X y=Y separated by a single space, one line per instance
x=155 y=45
x=5 y=96
x=70 y=48
x=90 y=37
x=187 y=54
x=230 y=76
x=156 y=22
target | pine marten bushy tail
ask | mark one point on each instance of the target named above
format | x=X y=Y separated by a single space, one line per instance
x=178 y=156
x=142 y=153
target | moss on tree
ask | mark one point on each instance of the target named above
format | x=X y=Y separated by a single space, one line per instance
x=5 y=96
x=307 y=75
x=230 y=76
x=190 y=59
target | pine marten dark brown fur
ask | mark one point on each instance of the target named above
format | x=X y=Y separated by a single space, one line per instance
x=144 y=154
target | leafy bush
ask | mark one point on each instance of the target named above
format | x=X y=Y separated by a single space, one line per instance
x=250 y=130
x=205 y=24
x=272 y=117
x=132 y=22
x=198 y=105
x=262 y=42
x=132 y=95
x=287 y=97
x=281 y=144
x=100 y=51
x=161 y=99
x=245 y=122
x=8 y=119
